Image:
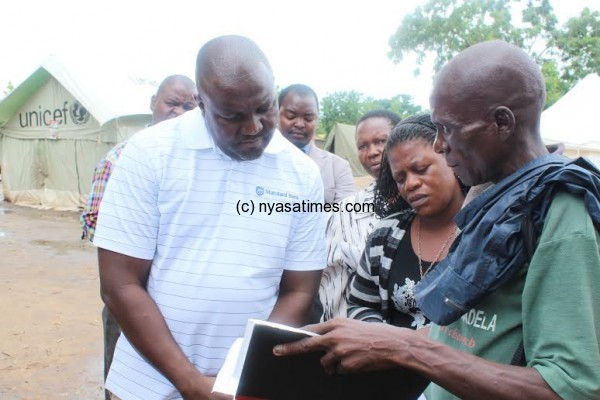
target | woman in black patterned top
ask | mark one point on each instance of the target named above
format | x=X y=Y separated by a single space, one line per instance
x=417 y=196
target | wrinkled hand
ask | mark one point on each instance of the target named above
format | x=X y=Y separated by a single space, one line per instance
x=352 y=346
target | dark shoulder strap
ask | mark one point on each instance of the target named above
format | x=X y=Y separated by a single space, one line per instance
x=529 y=236
x=530 y=244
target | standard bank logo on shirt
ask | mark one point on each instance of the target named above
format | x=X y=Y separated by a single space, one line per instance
x=276 y=193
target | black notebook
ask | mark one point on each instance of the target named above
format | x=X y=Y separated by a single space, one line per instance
x=252 y=370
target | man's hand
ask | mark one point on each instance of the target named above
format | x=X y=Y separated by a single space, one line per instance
x=123 y=282
x=351 y=346
x=356 y=346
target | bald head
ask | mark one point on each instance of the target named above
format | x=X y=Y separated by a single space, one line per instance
x=236 y=93
x=181 y=80
x=495 y=73
x=228 y=60
x=176 y=94
x=487 y=102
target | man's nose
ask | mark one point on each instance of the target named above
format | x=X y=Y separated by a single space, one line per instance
x=178 y=110
x=299 y=122
x=440 y=146
x=253 y=126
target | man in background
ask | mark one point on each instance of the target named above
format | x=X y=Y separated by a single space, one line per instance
x=298 y=118
x=175 y=95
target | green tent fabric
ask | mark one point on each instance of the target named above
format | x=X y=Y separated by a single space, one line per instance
x=341 y=141
x=56 y=125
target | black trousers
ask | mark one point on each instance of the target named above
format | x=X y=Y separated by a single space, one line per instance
x=111 y=334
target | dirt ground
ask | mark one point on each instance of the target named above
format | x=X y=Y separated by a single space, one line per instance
x=51 y=329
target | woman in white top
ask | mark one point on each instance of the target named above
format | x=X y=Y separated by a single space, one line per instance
x=347 y=231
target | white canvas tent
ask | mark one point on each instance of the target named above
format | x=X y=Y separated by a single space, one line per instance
x=56 y=125
x=568 y=120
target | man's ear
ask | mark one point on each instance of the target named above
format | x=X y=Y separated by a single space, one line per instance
x=199 y=102
x=505 y=122
x=153 y=102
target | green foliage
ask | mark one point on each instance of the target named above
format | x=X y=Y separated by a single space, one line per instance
x=345 y=107
x=348 y=106
x=555 y=87
x=446 y=27
x=579 y=46
x=401 y=104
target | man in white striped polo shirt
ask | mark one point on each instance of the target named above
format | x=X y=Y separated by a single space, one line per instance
x=186 y=256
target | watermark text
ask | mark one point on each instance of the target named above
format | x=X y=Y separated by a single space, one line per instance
x=250 y=207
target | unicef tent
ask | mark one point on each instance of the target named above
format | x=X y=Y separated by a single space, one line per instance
x=568 y=120
x=56 y=125
x=342 y=142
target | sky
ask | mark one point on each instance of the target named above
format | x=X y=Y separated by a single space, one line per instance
x=330 y=45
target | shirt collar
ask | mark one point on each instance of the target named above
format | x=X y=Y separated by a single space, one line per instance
x=195 y=134
x=306 y=148
x=193 y=130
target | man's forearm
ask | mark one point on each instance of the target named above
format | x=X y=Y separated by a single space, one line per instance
x=297 y=294
x=468 y=376
x=143 y=324
x=292 y=309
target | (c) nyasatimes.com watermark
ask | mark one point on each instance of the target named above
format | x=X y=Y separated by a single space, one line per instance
x=250 y=207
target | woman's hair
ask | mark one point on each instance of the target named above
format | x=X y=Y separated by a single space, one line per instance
x=391 y=116
x=387 y=199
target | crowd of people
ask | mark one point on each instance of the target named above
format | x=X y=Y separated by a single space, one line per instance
x=474 y=264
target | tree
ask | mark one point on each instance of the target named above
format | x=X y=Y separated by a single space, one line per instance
x=401 y=104
x=345 y=107
x=579 y=46
x=446 y=27
x=555 y=86
x=348 y=106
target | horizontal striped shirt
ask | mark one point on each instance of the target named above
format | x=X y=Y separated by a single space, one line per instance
x=174 y=198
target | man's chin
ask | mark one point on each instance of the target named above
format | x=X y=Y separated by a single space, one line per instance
x=250 y=155
x=247 y=153
x=300 y=144
x=297 y=141
x=247 y=150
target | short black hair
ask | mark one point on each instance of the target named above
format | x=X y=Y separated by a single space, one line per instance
x=381 y=113
x=298 y=88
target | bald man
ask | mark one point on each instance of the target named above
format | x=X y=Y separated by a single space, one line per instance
x=184 y=261
x=516 y=304
x=175 y=95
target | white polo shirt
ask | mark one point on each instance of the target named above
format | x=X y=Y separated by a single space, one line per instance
x=175 y=198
